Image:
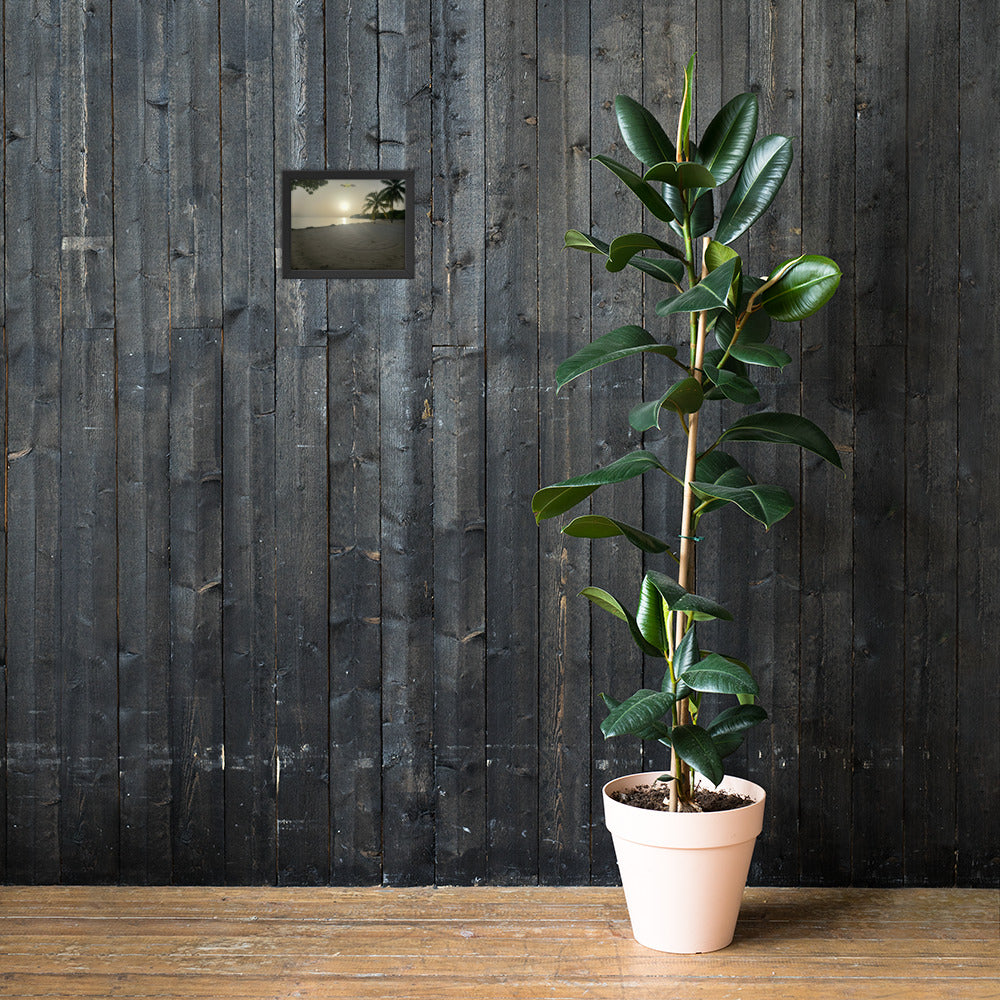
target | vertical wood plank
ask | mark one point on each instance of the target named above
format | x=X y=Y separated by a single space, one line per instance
x=563 y=328
x=931 y=451
x=407 y=469
x=88 y=702
x=458 y=283
x=248 y=395
x=142 y=290
x=828 y=387
x=32 y=224
x=459 y=620
x=978 y=708
x=196 y=710
x=773 y=558
x=301 y=478
x=512 y=443
x=880 y=439
x=87 y=541
x=616 y=44
x=193 y=115
x=87 y=261
x=354 y=522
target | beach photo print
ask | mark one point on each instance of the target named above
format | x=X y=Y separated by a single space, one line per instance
x=347 y=224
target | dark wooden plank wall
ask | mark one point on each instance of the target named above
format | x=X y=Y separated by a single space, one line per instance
x=275 y=609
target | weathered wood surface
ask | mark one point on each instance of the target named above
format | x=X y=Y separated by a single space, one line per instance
x=797 y=944
x=275 y=608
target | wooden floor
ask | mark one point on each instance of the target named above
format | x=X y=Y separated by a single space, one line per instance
x=487 y=944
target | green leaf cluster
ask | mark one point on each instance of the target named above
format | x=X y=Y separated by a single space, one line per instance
x=699 y=198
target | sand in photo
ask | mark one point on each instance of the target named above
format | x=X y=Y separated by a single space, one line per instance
x=356 y=246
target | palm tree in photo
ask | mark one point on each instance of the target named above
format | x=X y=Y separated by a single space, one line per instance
x=373 y=205
x=393 y=191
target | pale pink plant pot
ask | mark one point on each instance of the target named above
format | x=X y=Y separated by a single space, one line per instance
x=684 y=873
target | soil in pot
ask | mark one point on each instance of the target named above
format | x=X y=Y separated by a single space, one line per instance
x=656 y=798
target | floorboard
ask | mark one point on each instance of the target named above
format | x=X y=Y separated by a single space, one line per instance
x=821 y=944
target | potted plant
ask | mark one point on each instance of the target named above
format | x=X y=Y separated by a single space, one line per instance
x=684 y=864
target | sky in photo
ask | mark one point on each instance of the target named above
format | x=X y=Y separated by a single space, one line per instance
x=334 y=203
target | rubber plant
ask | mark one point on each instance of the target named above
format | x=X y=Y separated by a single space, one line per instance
x=707 y=291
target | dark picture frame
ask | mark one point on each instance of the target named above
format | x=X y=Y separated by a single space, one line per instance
x=347 y=224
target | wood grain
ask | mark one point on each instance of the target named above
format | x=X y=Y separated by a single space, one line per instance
x=195 y=683
x=88 y=704
x=142 y=341
x=355 y=527
x=407 y=495
x=881 y=323
x=422 y=943
x=616 y=43
x=33 y=363
x=511 y=331
x=828 y=183
x=388 y=675
x=977 y=711
x=932 y=581
x=564 y=450
x=302 y=681
x=458 y=193
x=249 y=636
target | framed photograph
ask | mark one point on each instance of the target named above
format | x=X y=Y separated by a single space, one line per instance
x=347 y=224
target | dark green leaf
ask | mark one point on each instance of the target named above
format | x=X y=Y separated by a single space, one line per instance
x=684 y=396
x=685 y=656
x=727 y=744
x=712 y=359
x=762 y=175
x=671 y=271
x=608 y=603
x=732 y=386
x=711 y=468
x=719 y=468
x=756 y=329
x=728 y=138
x=662 y=305
x=681 y=175
x=650 y=616
x=580 y=241
x=736 y=719
x=679 y=599
x=783 y=428
x=654 y=731
x=702 y=215
x=766 y=355
x=637 y=713
x=642 y=133
x=716 y=674
x=639 y=188
x=674 y=198
x=623 y=248
x=802 y=290
x=712 y=292
x=767 y=504
x=695 y=746
x=560 y=497
x=623 y=342
x=595 y=526
x=687 y=653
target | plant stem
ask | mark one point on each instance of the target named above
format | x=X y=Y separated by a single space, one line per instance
x=686 y=561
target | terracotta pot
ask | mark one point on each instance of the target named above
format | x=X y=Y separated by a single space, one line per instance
x=683 y=873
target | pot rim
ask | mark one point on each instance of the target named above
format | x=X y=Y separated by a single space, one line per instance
x=649 y=777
